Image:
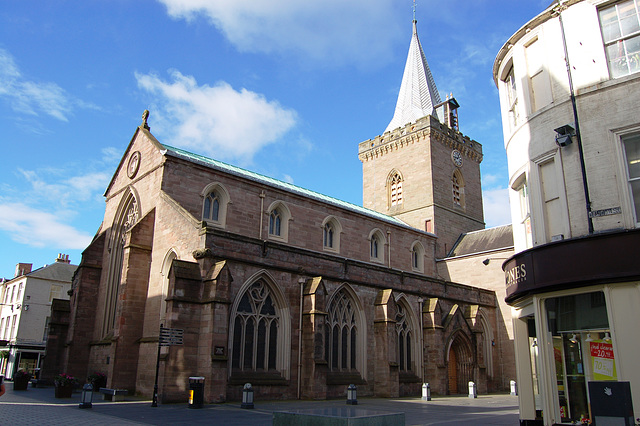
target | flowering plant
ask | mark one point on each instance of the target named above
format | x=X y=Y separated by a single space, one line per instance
x=96 y=376
x=64 y=380
x=21 y=374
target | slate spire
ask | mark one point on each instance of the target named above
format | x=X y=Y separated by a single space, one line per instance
x=418 y=93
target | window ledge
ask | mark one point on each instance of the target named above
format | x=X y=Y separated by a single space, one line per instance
x=344 y=378
x=258 y=378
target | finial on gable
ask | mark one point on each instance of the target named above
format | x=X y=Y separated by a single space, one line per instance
x=145 y=116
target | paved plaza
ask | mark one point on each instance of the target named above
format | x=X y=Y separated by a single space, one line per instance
x=37 y=406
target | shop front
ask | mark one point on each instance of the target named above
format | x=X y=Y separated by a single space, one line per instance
x=576 y=313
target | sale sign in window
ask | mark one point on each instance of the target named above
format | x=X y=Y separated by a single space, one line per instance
x=604 y=364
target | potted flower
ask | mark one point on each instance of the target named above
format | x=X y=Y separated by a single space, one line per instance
x=64 y=385
x=98 y=380
x=21 y=380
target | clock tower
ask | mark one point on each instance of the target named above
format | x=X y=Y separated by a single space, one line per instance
x=422 y=170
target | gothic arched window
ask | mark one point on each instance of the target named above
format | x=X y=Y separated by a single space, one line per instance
x=275 y=223
x=212 y=206
x=376 y=246
x=458 y=188
x=405 y=339
x=255 y=332
x=342 y=334
x=396 y=196
x=328 y=235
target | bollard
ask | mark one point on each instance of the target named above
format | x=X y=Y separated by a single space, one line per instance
x=514 y=388
x=247 y=396
x=352 y=398
x=426 y=392
x=87 y=396
x=472 y=390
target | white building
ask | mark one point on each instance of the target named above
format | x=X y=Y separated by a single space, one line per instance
x=572 y=137
x=24 y=313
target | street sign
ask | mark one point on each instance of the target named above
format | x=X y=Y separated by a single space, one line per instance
x=171 y=336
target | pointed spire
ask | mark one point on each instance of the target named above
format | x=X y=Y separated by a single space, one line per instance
x=418 y=93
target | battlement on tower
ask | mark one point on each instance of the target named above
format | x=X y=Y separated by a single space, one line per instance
x=427 y=126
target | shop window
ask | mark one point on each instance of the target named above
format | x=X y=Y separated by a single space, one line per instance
x=582 y=350
x=621 y=35
x=632 y=159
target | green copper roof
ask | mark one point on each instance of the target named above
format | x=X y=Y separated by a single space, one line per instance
x=256 y=177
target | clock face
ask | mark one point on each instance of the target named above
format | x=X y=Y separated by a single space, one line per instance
x=456 y=157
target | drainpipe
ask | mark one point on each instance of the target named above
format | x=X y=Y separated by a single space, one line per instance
x=262 y=195
x=389 y=248
x=301 y=281
x=420 y=301
x=585 y=186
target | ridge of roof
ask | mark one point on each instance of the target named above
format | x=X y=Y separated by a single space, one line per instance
x=418 y=93
x=257 y=177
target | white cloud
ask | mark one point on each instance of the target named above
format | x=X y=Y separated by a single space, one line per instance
x=327 y=31
x=29 y=97
x=496 y=207
x=218 y=120
x=37 y=228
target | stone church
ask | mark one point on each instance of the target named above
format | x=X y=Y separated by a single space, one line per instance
x=295 y=292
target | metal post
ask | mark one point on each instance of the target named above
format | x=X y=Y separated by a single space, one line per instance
x=154 y=403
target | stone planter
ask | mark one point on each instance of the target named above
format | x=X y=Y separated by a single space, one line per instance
x=20 y=383
x=99 y=383
x=64 y=391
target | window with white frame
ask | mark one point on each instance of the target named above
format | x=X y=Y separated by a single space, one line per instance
x=620 y=27
x=2 y=328
x=46 y=329
x=539 y=86
x=509 y=82
x=279 y=217
x=631 y=145
x=524 y=220
x=14 y=319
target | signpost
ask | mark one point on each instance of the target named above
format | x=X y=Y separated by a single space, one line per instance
x=168 y=337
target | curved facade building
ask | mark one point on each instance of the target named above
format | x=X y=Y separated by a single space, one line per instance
x=569 y=82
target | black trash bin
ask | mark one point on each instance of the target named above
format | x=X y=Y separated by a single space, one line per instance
x=196 y=392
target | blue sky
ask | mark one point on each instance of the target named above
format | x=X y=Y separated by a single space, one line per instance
x=282 y=87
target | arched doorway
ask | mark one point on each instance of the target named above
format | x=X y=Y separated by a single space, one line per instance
x=460 y=366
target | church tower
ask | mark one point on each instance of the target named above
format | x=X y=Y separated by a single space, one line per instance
x=422 y=170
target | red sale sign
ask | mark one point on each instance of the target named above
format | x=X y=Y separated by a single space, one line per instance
x=601 y=350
